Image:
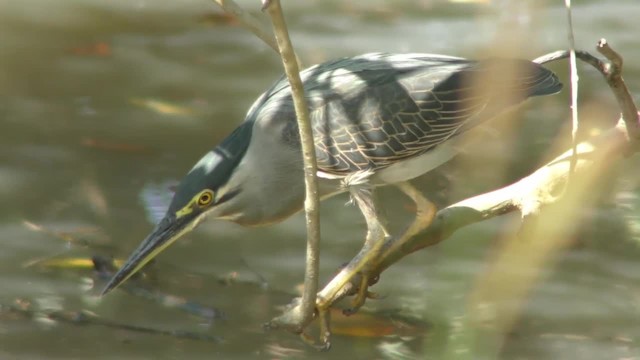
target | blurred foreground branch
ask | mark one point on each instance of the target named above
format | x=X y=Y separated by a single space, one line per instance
x=297 y=319
x=300 y=316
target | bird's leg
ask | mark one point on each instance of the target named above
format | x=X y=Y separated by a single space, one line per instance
x=360 y=264
x=377 y=245
x=425 y=212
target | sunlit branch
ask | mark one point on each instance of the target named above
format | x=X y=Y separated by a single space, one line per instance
x=302 y=315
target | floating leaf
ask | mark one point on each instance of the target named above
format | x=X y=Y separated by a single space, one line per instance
x=72 y=263
x=67 y=263
x=161 y=107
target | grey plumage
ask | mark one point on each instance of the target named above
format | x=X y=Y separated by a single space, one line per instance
x=372 y=110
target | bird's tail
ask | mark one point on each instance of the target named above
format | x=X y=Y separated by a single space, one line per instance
x=542 y=80
x=504 y=83
x=518 y=78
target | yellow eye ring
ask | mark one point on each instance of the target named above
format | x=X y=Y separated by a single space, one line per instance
x=205 y=198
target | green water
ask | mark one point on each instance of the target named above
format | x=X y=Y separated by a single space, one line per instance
x=100 y=100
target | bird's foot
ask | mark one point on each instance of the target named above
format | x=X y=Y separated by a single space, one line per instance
x=293 y=320
x=362 y=293
x=347 y=282
x=353 y=279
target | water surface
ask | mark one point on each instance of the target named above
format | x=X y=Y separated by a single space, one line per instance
x=100 y=101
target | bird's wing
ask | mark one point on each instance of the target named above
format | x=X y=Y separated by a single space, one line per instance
x=370 y=111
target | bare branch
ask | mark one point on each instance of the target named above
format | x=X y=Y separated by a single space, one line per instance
x=303 y=314
x=582 y=55
x=612 y=73
x=620 y=90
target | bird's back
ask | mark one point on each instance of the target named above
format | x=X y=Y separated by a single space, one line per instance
x=371 y=111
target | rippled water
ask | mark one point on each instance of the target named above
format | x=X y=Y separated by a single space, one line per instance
x=103 y=103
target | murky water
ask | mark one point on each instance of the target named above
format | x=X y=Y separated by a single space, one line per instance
x=102 y=101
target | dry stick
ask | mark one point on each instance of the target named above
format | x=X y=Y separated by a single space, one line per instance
x=295 y=322
x=574 y=85
x=612 y=73
x=620 y=90
x=297 y=319
x=586 y=57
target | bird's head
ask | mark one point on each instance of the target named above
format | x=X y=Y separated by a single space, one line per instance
x=204 y=190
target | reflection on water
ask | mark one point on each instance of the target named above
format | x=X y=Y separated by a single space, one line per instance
x=103 y=104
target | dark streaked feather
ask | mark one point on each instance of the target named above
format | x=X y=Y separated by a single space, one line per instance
x=370 y=111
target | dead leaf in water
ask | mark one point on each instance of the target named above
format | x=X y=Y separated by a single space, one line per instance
x=72 y=263
x=101 y=49
x=374 y=324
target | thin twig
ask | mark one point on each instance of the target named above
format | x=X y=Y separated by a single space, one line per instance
x=252 y=23
x=299 y=320
x=574 y=85
x=248 y=20
x=612 y=73
x=582 y=55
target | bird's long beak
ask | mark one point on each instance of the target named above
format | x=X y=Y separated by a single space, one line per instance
x=165 y=233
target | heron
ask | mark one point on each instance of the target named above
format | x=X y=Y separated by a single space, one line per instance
x=378 y=119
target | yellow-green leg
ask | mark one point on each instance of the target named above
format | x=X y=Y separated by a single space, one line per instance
x=372 y=251
x=376 y=236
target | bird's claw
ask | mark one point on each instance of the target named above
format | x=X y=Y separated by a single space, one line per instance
x=323 y=344
x=350 y=283
x=362 y=294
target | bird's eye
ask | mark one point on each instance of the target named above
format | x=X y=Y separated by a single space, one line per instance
x=205 y=198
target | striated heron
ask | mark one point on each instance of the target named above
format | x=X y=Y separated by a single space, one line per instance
x=378 y=119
